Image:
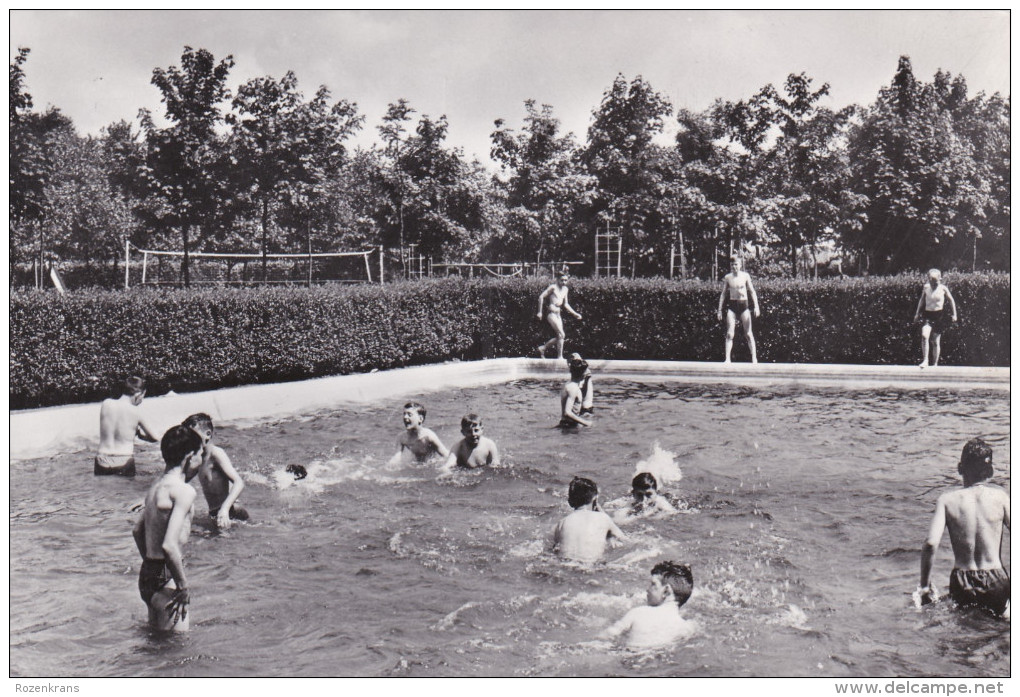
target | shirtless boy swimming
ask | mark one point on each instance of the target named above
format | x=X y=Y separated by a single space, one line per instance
x=221 y=483
x=659 y=622
x=421 y=441
x=934 y=320
x=474 y=450
x=736 y=301
x=975 y=516
x=163 y=528
x=582 y=535
x=576 y=396
x=120 y=421
x=552 y=301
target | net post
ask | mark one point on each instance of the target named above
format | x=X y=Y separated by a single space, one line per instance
x=368 y=267
x=381 y=281
x=127 y=263
x=145 y=264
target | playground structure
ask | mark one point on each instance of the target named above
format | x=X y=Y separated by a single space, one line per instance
x=609 y=251
x=269 y=269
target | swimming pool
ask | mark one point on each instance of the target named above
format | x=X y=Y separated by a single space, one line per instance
x=812 y=506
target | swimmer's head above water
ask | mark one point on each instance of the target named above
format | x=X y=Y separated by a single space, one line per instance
x=976 y=461
x=578 y=367
x=181 y=447
x=414 y=414
x=134 y=387
x=201 y=423
x=582 y=491
x=670 y=578
x=644 y=486
x=471 y=428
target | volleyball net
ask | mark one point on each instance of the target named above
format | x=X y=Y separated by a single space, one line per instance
x=154 y=267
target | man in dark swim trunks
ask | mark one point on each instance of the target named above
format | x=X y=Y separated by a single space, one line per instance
x=736 y=302
x=975 y=516
x=163 y=529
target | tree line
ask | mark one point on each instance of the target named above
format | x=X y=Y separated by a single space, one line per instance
x=918 y=178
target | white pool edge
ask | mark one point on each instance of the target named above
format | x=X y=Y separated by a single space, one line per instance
x=49 y=431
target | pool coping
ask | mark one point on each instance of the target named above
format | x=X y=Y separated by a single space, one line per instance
x=52 y=430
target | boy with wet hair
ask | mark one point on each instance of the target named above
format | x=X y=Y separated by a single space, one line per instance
x=163 y=529
x=576 y=395
x=421 y=441
x=120 y=421
x=474 y=450
x=221 y=483
x=582 y=535
x=975 y=516
x=647 y=498
x=659 y=622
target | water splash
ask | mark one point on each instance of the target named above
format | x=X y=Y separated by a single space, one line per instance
x=661 y=464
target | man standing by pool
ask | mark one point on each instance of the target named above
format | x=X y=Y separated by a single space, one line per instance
x=975 y=516
x=736 y=301
x=163 y=529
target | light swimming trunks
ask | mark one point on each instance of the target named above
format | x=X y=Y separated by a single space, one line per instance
x=124 y=465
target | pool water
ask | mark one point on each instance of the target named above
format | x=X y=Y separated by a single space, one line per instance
x=810 y=509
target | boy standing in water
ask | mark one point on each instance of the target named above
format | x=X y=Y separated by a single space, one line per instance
x=421 y=441
x=576 y=396
x=474 y=450
x=556 y=294
x=163 y=529
x=221 y=483
x=120 y=420
x=659 y=622
x=975 y=516
x=582 y=535
x=934 y=321
x=736 y=300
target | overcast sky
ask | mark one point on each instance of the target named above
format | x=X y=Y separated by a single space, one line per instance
x=476 y=66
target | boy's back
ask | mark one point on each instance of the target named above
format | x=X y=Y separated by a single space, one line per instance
x=653 y=626
x=581 y=536
x=975 y=516
x=118 y=424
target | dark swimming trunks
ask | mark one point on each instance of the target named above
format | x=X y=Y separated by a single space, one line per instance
x=936 y=319
x=987 y=588
x=236 y=513
x=124 y=465
x=737 y=307
x=152 y=577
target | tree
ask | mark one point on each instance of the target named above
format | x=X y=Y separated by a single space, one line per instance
x=620 y=154
x=284 y=150
x=184 y=164
x=932 y=164
x=797 y=162
x=543 y=187
x=434 y=199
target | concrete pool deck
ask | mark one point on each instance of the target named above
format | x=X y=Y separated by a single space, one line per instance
x=52 y=430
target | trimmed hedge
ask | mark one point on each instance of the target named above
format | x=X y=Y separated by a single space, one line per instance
x=75 y=348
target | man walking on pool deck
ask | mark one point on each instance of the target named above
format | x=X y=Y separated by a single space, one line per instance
x=120 y=420
x=975 y=516
x=736 y=301
x=163 y=529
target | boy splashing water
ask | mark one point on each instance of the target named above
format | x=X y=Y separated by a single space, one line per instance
x=221 y=483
